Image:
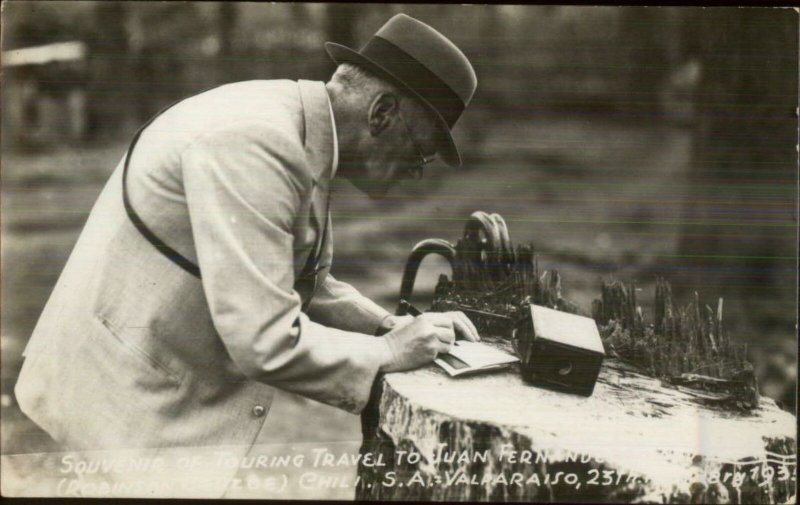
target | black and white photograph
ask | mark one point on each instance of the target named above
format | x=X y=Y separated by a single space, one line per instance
x=399 y=252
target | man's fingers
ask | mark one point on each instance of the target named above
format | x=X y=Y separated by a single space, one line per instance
x=472 y=326
x=443 y=347
x=445 y=335
x=465 y=327
x=454 y=321
x=439 y=319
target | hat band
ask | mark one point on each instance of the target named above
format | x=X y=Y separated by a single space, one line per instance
x=416 y=76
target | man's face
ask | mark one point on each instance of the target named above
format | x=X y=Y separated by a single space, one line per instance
x=401 y=140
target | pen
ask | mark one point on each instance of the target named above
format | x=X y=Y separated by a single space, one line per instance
x=407 y=308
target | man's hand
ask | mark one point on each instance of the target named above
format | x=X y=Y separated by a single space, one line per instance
x=418 y=342
x=463 y=326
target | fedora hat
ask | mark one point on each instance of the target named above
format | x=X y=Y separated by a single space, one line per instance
x=422 y=61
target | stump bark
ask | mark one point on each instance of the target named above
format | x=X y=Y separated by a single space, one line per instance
x=493 y=437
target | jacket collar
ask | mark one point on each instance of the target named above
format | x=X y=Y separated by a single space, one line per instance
x=318 y=139
x=318 y=132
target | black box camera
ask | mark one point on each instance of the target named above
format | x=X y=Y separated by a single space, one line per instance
x=558 y=350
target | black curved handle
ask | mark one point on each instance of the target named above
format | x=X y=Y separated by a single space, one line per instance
x=505 y=247
x=418 y=253
x=479 y=222
x=488 y=244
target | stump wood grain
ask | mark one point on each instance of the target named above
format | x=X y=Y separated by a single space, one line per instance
x=634 y=440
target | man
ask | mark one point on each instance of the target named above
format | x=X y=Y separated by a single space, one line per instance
x=200 y=281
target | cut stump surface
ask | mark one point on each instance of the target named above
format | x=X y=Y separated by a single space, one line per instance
x=494 y=437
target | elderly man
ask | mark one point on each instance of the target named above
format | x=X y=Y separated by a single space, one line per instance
x=200 y=281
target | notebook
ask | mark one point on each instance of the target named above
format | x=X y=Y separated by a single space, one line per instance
x=473 y=357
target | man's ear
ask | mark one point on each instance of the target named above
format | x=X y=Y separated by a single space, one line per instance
x=382 y=112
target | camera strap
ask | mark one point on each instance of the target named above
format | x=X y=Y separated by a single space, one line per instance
x=170 y=253
x=161 y=246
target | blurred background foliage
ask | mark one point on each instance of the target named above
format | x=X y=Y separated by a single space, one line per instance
x=622 y=142
x=143 y=55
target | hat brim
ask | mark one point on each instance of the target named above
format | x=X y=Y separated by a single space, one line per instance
x=447 y=146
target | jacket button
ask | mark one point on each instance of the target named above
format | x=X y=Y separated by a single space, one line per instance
x=259 y=411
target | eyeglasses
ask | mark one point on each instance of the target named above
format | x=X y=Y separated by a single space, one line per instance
x=415 y=172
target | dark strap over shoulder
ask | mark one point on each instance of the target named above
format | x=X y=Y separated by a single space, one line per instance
x=146 y=232
x=173 y=255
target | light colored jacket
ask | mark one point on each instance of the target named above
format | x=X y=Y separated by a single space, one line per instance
x=131 y=351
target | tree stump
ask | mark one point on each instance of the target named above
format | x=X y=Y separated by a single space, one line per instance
x=492 y=437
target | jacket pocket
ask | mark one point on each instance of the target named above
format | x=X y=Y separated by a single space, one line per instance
x=146 y=362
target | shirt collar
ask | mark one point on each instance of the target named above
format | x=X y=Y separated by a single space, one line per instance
x=335 y=164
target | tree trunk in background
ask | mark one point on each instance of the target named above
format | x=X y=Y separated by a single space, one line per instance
x=491 y=97
x=341 y=26
x=112 y=92
x=647 y=38
x=226 y=25
x=224 y=67
x=738 y=235
x=300 y=13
